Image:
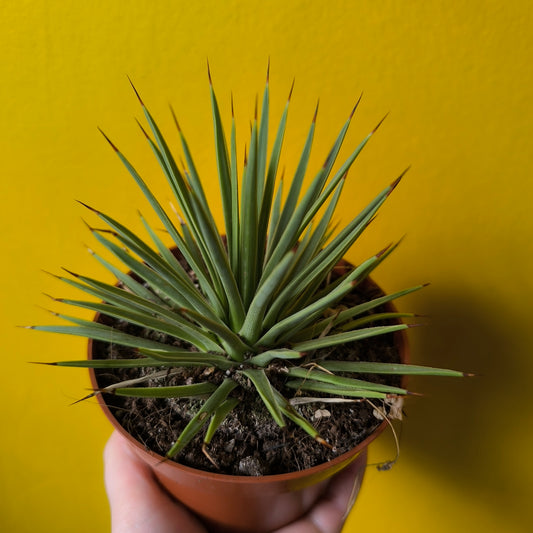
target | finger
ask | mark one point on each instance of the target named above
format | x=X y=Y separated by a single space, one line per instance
x=344 y=488
x=137 y=501
x=329 y=513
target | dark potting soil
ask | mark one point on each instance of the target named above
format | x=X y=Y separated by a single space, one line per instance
x=249 y=442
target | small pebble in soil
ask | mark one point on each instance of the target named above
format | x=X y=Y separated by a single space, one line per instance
x=250 y=466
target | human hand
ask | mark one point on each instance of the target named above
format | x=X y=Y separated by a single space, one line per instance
x=139 y=504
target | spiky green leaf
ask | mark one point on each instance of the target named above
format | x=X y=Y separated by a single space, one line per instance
x=202 y=416
x=178 y=391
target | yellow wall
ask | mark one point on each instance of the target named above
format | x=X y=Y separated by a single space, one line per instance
x=457 y=79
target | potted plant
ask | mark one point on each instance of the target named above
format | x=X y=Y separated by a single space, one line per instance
x=236 y=351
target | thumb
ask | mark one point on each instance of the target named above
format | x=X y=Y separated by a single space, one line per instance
x=137 y=501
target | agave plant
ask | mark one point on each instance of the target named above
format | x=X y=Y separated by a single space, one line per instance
x=260 y=301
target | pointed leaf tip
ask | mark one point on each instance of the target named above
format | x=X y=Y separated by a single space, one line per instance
x=108 y=140
x=268 y=71
x=381 y=252
x=400 y=240
x=53 y=298
x=291 y=90
x=70 y=272
x=50 y=274
x=323 y=442
x=88 y=207
x=356 y=105
x=379 y=123
x=316 y=111
x=47 y=310
x=89 y=227
x=142 y=129
x=232 y=107
x=395 y=183
x=92 y=395
x=209 y=73
x=135 y=91
x=175 y=118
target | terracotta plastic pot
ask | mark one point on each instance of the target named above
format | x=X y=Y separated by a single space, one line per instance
x=244 y=503
x=250 y=504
